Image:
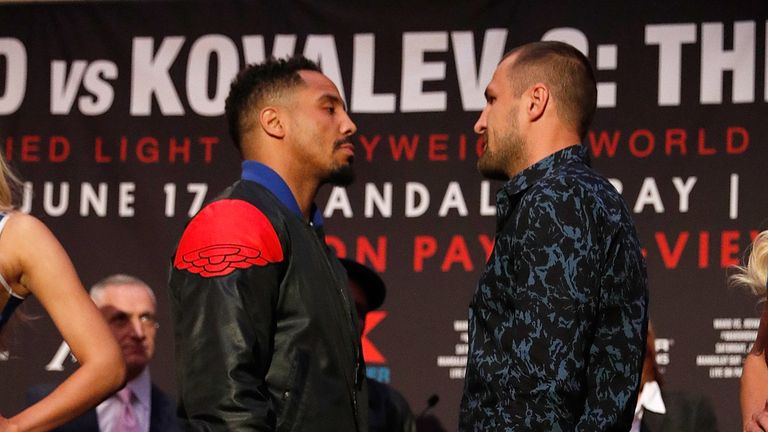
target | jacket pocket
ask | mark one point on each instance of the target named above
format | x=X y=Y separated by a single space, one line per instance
x=292 y=397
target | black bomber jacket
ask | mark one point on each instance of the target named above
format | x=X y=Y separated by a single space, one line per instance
x=266 y=334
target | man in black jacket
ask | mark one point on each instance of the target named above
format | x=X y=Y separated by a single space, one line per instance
x=266 y=334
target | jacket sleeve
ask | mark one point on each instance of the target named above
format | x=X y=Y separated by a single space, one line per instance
x=224 y=285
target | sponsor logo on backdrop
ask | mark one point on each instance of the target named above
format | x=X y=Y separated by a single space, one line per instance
x=376 y=363
x=150 y=78
x=663 y=355
x=456 y=362
x=672 y=129
x=733 y=342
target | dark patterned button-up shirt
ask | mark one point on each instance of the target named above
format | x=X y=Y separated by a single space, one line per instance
x=557 y=324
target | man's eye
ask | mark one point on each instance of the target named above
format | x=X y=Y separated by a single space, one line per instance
x=119 y=321
x=331 y=110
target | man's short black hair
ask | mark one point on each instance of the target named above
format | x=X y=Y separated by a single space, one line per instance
x=567 y=72
x=257 y=83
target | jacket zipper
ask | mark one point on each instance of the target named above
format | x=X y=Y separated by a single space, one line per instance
x=350 y=325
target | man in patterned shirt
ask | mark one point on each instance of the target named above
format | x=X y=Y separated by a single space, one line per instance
x=558 y=321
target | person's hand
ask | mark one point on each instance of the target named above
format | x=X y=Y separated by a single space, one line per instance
x=759 y=421
x=6 y=426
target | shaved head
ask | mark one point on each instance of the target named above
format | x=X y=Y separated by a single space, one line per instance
x=566 y=72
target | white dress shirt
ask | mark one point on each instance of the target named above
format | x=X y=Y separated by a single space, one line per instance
x=109 y=411
x=648 y=400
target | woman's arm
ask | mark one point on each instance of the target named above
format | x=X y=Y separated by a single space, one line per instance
x=47 y=272
x=6 y=426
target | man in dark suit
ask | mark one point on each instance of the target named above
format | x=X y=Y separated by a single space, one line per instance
x=684 y=412
x=659 y=410
x=128 y=305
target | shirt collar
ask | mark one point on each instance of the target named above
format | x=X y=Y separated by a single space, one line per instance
x=526 y=178
x=508 y=195
x=141 y=386
x=650 y=399
x=259 y=173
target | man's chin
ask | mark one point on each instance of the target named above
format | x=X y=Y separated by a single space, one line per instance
x=135 y=356
x=343 y=176
x=491 y=172
x=134 y=366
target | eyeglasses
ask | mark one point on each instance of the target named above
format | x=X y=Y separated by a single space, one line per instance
x=122 y=320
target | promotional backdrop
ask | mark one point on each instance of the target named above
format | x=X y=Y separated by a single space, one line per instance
x=113 y=115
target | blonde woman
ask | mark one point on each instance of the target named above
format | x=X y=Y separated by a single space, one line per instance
x=33 y=262
x=754 y=377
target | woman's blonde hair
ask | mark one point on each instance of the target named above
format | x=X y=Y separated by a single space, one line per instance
x=10 y=186
x=754 y=275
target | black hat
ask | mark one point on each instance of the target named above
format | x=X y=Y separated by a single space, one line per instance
x=368 y=281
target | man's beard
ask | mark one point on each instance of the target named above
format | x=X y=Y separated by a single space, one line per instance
x=505 y=159
x=341 y=176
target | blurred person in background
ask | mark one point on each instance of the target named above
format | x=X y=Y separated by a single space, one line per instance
x=388 y=411
x=660 y=410
x=129 y=306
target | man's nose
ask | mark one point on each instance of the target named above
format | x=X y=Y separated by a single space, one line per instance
x=481 y=123
x=348 y=127
x=137 y=328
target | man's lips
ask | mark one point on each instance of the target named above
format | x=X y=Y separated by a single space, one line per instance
x=346 y=146
x=134 y=349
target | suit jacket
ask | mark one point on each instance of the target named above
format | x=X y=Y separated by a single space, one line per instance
x=162 y=412
x=685 y=412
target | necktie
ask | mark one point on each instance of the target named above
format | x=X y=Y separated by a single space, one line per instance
x=127 y=421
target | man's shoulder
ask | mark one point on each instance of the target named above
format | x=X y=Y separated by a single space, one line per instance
x=162 y=412
x=159 y=395
x=575 y=183
x=585 y=182
x=575 y=194
x=226 y=234
x=579 y=176
x=241 y=194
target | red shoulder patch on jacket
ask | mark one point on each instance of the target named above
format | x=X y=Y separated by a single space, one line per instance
x=227 y=235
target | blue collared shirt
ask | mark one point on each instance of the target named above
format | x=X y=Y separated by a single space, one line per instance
x=259 y=173
x=557 y=323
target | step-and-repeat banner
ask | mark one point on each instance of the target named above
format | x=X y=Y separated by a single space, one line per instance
x=113 y=114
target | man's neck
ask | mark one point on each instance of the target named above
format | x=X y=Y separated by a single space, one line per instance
x=132 y=374
x=549 y=141
x=303 y=188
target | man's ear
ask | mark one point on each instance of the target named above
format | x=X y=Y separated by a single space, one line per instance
x=270 y=122
x=538 y=99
